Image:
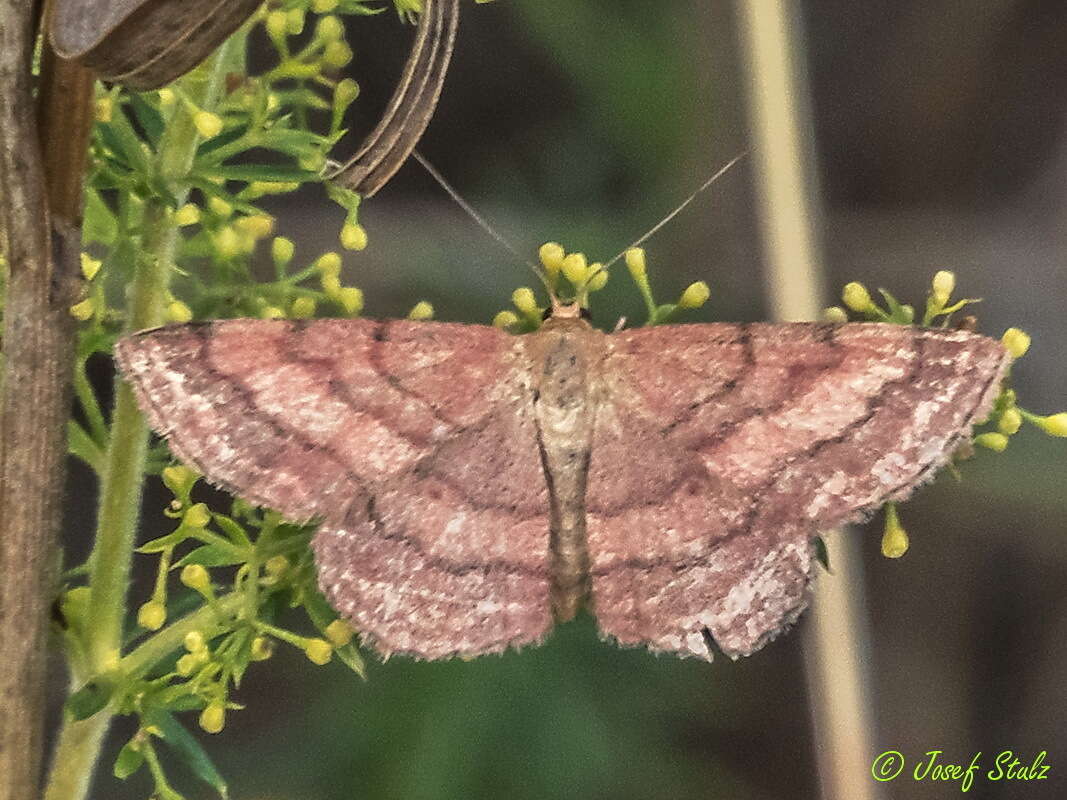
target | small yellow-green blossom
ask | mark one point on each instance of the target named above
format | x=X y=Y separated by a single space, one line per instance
x=1054 y=425
x=331 y=284
x=271 y=312
x=552 y=255
x=422 y=310
x=259 y=226
x=189 y=663
x=318 y=651
x=894 y=537
x=177 y=311
x=277 y=24
x=1010 y=421
x=599 y=277
x=345 y=92
x=302 y=308
x=323 y=6
x=942 y=286
x=90 y=266
x=152 y=615
x=262 y=648
x=282 y=249
x=339 y=633
x=575 y=268
x=505 y=319
x=189 y=214
x=227 y=242
x=329 y=264
x=103 y=109
x=196 y=516
x=835 y=314
x=329 y=29
x=353 y=237
x=207 y=124
x=351 y=300
x=524 y=300
x=196 y=578
x=856 y=297
x=337 y=54
x=194 y=641
x=1017 y=342
x=179 y=477
x=213 y=718
x=695 y=295
x=83 y=310
x=219 y=207
x=167 y=97
x=635 y=262
x=997 y=442
x=276 y=566
x=294 y=21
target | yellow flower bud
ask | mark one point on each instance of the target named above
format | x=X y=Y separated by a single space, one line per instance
x=219 y=207
x=856 y=297
x=196 y=516
x=179 y=478
x=942 y=286
x=302 y=308
x=895 y=538
x=351 y=300
x=345 y=92
x=339 y=633
x=635 y=262
x=552 y=255
x=318 y=651
x=323 y=6
x=196 y=578
x=90 y=266
x=276 y=566
x=337 y=54
x=1010 y=421
x=524 y=300
x=505 y=319
x=1016 y=341
x=329 y=29
x=277 y=24
x=997 y=442
x=329 y=264
x=167 y=97
x=194 y=641
x=422 y=310
x=259 y=226
x=262 y=648
x=177 y=311
x=188 y=664
x=599 y=277
x=1054 y=425
x=103 y=108
x=189 y=214
x=207 y=124
x=575 y=268
x=331 y=284
x=353 y=237
x=835 y=314
x=695 y=295
x=282 y=249
x=83 y=310
x=271 y=312
x=152 y=615
x=227 y=242
x=213 y=718
x=294 y=21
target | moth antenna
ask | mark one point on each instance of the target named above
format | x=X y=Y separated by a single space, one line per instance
x=681 y=207
x=479 y=219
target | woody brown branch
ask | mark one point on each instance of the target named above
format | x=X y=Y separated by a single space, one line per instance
x=41 y=251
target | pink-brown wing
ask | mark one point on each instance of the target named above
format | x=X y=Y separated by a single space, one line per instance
x=413 y=443
x=721 y=450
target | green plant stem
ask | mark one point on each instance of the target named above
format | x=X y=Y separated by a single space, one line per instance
x=120 y=500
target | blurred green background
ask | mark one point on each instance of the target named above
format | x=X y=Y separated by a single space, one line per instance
x=938 y=130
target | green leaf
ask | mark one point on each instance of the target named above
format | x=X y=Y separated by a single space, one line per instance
x=148 y=117
x=212 y=555
x=260 y=172
x=232 y=529
x=129 y=760
x=81 y=445
x=188 y=749
x=90 y=698
x=172 y=539
x=822 y=554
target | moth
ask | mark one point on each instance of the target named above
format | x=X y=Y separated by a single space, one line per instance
x=473 y=487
